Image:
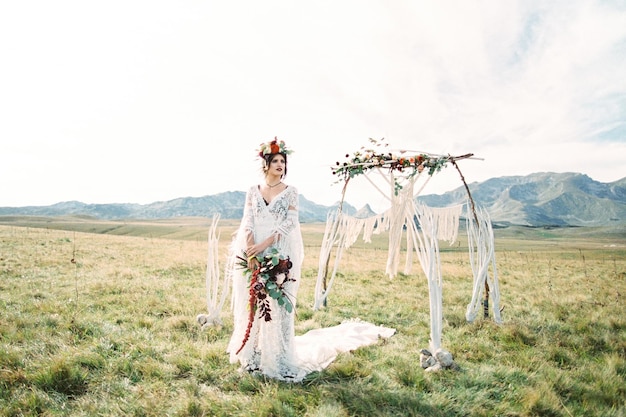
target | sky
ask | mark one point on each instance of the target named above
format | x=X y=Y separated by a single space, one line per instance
x=144 y=101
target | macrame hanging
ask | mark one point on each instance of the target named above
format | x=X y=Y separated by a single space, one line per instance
x=424 y=227
x=483 y=261
x=216 y=293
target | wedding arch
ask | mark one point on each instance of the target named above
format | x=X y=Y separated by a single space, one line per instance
x=403 y=172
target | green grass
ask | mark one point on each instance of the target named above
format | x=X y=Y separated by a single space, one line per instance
x=114 y=333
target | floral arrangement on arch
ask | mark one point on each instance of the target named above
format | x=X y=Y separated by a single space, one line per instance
x=265 y=282
x=402 y=162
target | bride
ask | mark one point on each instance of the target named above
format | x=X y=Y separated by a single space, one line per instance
x=263 y=338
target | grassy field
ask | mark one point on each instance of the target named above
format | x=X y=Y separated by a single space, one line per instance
x=98 y=319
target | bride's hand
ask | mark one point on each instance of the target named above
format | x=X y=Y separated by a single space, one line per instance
x=255 y=250
x=253 y=263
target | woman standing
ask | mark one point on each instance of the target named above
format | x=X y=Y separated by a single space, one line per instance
x=263 y=337
x=269 y=225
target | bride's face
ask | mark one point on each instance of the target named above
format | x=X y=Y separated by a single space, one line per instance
x=278 y=166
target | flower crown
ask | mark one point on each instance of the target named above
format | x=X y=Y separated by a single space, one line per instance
x=273 y=147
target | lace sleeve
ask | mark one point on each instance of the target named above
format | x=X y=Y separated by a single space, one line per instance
x=291 y=216
x=288 y=224
x=247 y=221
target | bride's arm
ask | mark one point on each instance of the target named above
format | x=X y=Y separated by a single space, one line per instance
x=254 y=248
x=247 y=223
x=290 y=222
x=282 y=230
x=291 y=218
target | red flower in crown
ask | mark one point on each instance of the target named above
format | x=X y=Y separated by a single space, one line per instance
x=274 y=148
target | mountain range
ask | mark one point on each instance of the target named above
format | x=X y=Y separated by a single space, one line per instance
x=537 y=200
x=544 y=199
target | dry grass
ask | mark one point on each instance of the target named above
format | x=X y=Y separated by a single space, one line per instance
x=114 y=332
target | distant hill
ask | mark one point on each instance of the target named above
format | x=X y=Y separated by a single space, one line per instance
x=540 y=199
x=364 y=212
x=544 y=199
x=228 y=205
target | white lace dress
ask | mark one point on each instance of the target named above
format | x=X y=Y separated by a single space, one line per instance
x=272 y=347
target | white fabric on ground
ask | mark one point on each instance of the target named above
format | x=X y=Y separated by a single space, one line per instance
x=318 y=348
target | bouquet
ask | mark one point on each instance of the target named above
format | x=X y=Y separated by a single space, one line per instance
x=265 y=282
